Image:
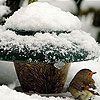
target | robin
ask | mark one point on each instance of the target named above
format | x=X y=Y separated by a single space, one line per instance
x=81 y=84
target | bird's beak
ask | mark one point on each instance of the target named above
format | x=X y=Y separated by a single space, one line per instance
x=94 y=72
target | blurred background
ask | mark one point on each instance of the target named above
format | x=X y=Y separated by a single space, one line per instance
x=88 y=11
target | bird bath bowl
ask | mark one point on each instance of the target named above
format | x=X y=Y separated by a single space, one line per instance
x=42 y=58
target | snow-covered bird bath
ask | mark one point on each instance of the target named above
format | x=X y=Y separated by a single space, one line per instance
x=42 y=41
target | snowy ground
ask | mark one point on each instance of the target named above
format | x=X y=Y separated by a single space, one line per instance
x=8 y=94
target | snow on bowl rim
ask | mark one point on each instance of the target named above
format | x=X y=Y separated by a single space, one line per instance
x=48 y=48
x=42 y=16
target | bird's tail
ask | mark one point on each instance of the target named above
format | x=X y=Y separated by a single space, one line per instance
x=67 y=90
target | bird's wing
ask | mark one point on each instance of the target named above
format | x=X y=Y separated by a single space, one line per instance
x=78 y=85
x=90 y=82
x=94 y=93
x=92 y=86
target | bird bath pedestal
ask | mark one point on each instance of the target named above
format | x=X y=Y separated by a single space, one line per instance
x=41 y=77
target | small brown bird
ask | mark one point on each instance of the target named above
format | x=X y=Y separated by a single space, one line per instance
x=80 y=85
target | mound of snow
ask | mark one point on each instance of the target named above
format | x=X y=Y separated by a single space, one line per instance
x=42 y=16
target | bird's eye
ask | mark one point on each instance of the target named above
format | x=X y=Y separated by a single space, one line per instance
x=89 y=73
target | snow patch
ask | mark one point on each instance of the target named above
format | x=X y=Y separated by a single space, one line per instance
x=3 y=8
x=2 y=2
x=59 y=65
x=86 y=4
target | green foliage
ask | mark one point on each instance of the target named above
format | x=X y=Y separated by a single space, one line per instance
x=13 y=4
x=31 y=1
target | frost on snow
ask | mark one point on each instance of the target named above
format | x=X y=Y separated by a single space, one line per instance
x=3 y=8
x=59 y=64
x=46 y=47
x=42 y=17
